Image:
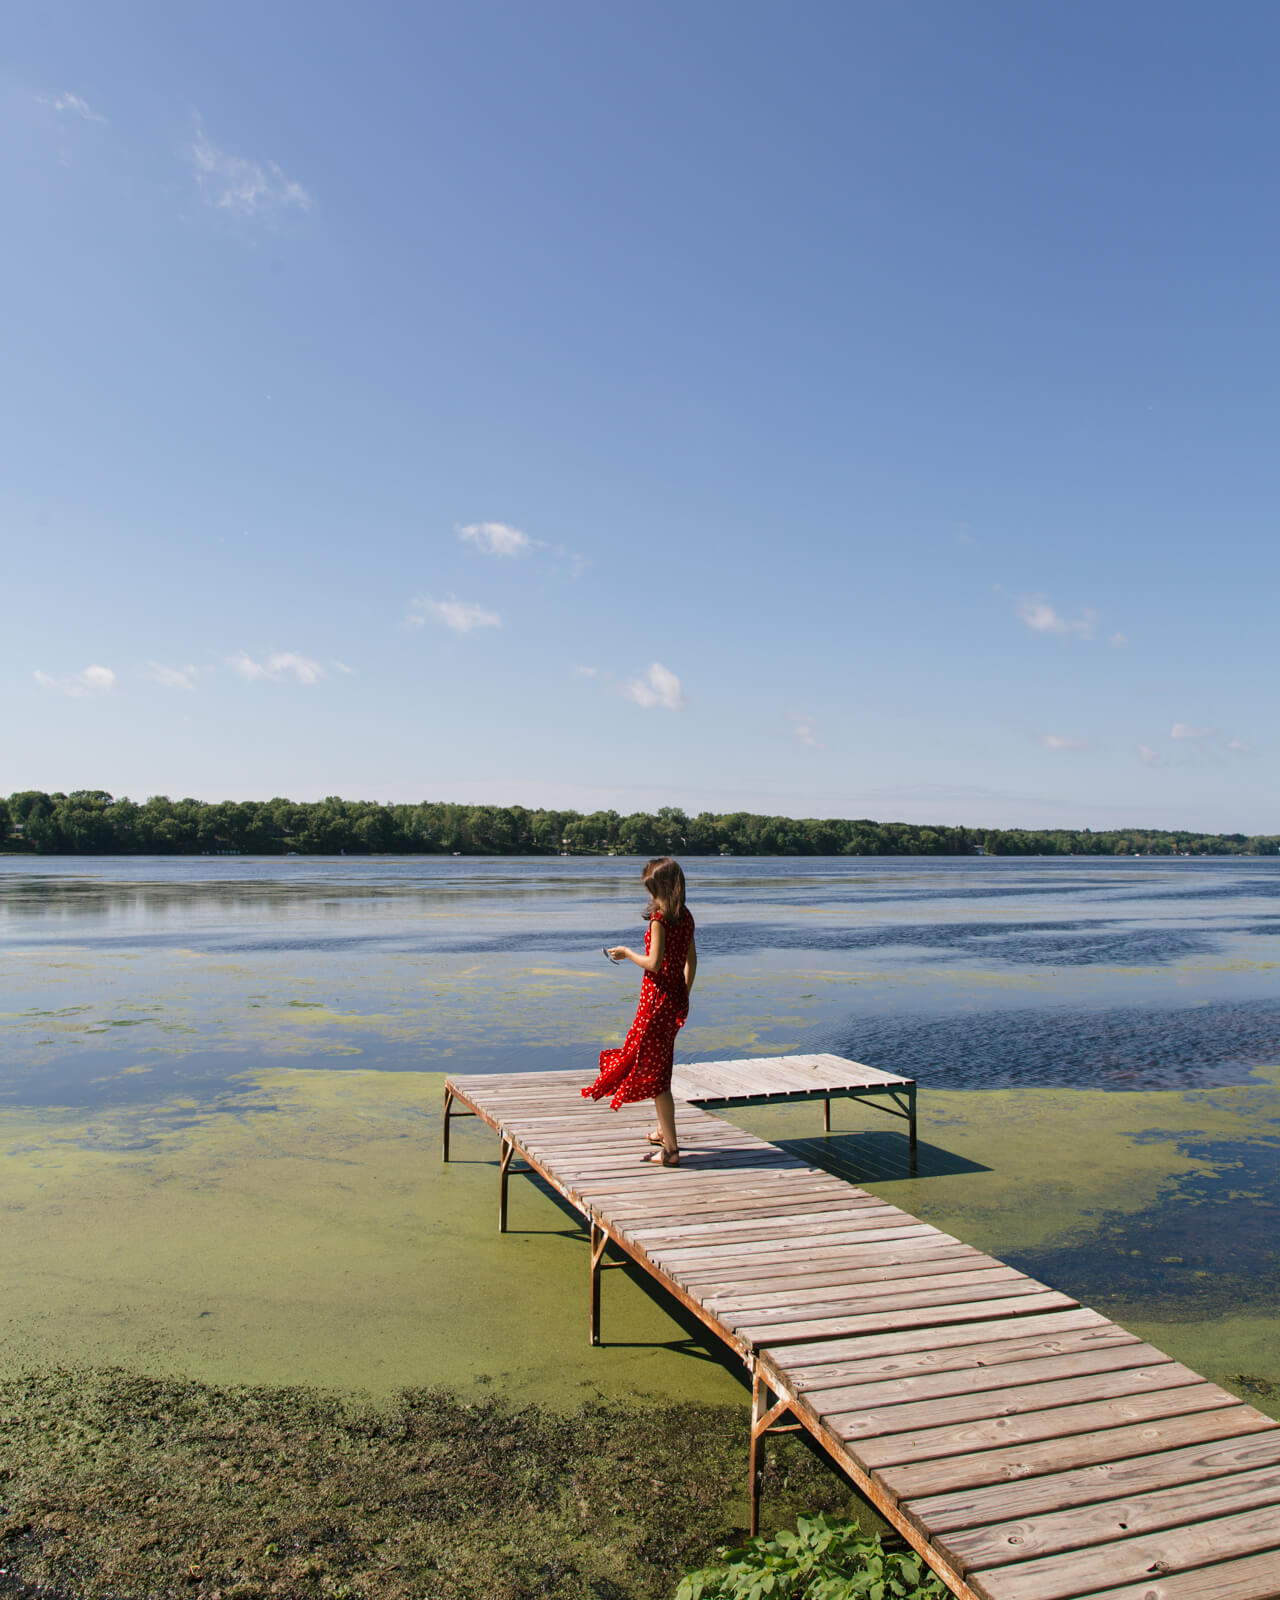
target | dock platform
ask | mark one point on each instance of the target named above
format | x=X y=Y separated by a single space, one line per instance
x=1025 y=1445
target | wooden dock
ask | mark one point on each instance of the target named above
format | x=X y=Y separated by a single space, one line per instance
x=1026 y=1446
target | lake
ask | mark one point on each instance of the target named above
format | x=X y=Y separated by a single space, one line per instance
x=200 y=1052
x=1091 y=973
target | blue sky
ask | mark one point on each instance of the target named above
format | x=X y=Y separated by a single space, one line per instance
x=829 y=409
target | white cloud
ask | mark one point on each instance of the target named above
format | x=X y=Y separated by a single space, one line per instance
x=92 y=680
x=656 y=687
x=1210 y=742
x=804 y=727
x=1149 y=756
x=1118 y=638
x=342 y=667
x=71 y=102
x=1062 y=741
x=460 y=615
x=303 y=668
x=585 y=672
x=1040 y=617
x=171 y=677
x=496 y=538
x=246 y=666
x=237 y=184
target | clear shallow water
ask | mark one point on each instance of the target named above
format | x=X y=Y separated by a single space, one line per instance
x=123 y=978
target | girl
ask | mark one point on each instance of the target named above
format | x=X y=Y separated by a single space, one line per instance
x=642 y=1068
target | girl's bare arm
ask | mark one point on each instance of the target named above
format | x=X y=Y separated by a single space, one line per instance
x=657 y=948
x=691 y=964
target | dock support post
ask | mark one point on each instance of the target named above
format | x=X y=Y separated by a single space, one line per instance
x=911 y=1123
x=763 y=1417
x=444 y=1132
x=599 y=1238
x=507 y=1151
x=826 y=1115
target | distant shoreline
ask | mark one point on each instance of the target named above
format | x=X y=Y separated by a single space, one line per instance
x=93 y=822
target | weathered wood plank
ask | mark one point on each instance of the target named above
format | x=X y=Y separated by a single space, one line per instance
x=945 y=1273
x=990 y=1405
x=1023 y=1458
x=986 y=1380
x=1172 y=1550
x=825 y=1305
x=996 y=1347
x=1108 y=1480
x=1080 y=1527
x=1061 y=1422
x=834 y=1356
x=1251 y=1578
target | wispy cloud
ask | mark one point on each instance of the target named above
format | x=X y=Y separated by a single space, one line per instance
x=463 y=616
x=585 y=672
x=805 y=729
x=1040 y=617
x=285 y=663
x=1118 y=639
x=1212 y=743
x=497 y=538
x=658 y=686
x=237 y=184
x=1063 y=741
x=171 y=677
x=72 y=103
x=92 y=680
x=1149 y=757
x=342 y=667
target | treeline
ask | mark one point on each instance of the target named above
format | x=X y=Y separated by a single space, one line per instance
x=92 y=822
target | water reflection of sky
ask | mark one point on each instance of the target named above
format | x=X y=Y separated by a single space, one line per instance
x=123 y=977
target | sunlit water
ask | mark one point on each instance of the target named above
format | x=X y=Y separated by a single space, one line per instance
x=147 y=1005
x=122 y=977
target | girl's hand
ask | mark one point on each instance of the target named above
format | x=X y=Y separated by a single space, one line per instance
x=618 y=953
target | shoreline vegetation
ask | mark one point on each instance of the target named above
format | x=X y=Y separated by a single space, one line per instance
x=93 y=822
x=116 y=1484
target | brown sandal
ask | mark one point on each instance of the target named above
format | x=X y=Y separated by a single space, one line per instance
x=662 y=1157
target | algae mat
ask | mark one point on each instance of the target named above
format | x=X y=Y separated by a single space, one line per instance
x=276 y=1347
x=305 y=1231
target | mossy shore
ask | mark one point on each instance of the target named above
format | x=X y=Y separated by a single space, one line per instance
x=114 y=1486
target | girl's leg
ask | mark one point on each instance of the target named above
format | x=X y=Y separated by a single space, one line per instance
x=666 y=1109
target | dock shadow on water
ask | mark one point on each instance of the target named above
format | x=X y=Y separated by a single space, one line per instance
x=877 y=1156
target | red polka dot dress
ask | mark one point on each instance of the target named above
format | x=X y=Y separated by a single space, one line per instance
x=642 y=1068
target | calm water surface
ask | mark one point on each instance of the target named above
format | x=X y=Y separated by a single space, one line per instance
x=123 y=978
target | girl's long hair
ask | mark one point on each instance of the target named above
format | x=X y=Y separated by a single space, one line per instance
x=664 y=879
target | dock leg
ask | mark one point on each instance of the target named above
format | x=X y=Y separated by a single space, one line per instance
x=826 y=1115
x=508 y=1150
x=599 y=1238
x=444 y=1132
x=911 y=1123
x=759 y=1394
x=763 y=1417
